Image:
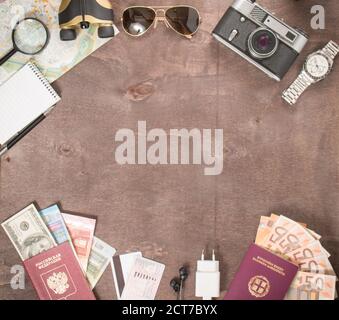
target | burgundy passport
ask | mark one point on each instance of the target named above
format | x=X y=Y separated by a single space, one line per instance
x=262 y=276
x=56 y=275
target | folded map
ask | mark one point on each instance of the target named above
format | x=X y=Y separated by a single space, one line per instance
x=59 y=56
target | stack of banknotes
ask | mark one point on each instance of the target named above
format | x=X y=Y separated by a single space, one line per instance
x=316 y=279
x=33 y=232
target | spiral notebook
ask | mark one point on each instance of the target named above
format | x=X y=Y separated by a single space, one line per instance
x=25 y=100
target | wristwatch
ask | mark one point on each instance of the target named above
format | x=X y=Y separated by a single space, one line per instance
x=317 y=67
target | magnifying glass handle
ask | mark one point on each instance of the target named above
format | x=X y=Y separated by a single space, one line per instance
x=7 y=56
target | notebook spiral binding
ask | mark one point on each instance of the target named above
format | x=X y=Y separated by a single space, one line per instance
x=43 y=80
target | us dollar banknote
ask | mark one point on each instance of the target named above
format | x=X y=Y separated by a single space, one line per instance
x=28 y=233
x=312 y=286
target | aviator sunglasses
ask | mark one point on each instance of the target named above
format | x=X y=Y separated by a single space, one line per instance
x=184 y=20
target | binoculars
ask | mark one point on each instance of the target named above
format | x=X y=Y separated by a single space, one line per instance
x=82 y=13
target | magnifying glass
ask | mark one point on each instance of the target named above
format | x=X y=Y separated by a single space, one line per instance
x=30 y=36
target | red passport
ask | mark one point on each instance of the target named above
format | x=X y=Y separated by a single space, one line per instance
x=56 y=275
x=262 y=276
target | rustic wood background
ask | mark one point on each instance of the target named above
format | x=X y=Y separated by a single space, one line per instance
x=276 y=159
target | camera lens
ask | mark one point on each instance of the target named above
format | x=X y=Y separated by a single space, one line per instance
x=262 y=43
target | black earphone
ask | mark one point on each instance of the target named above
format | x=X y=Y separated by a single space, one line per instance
x=177 y=284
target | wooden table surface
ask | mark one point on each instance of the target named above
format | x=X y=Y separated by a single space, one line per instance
x=276 y=159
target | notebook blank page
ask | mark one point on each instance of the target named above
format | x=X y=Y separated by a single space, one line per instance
x=23 y=98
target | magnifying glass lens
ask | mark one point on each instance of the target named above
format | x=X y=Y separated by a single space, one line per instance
x=30 y=36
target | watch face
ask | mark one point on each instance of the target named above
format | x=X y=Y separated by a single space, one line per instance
x=317 y=66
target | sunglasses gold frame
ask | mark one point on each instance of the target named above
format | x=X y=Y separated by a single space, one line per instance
x=163 y=18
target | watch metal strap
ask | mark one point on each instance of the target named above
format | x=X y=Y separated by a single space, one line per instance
x=331 y=50
x=295 y=90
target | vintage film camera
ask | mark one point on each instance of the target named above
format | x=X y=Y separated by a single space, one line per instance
x=259 y=37
x=83 y=13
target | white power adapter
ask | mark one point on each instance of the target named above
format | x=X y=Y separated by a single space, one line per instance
x=207 y=280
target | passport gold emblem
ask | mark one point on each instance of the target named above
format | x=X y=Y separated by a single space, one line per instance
x=259 y=286
x=58 y=282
